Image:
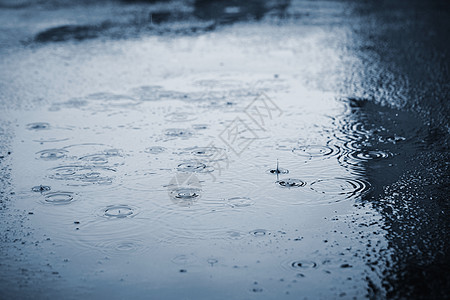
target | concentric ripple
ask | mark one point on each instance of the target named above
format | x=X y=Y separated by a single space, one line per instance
x=345 y=187
x=240 y=202
x=41 y=188
x=184 y=259
x=102 y=157
x=194 y=166
x=303 y=264
x=358 y=130
x=259 y=232
x=92 y=151
x=120 y=246
x=369 y=154
x=84 y=174
x=38 y=126
x=97 y=159
x=314 y=151
x=51 y=154
x=118 y=211
x=291 y=182
x=58 y=198
x=212 y=153
x=184 y=196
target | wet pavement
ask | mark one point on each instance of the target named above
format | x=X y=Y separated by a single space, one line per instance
x=219 y=149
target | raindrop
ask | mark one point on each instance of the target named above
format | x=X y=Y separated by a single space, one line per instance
x=38 y=126
x=259 y=232
x=185 y=193
x=303 y=264
x=212 y=261
x=278 y=171
x=41 y=188
x=291 y=182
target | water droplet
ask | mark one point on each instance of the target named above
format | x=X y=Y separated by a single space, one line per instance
x=184 y=196
x=41 y=188
x=212 y=261
x=38 y=126
x=259 y=232
x=278 y=171
x=303 y=264
x=291 y=182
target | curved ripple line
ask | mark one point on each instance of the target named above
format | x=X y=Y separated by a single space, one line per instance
x=58 y=198
x=340 y=186
x=317 y=151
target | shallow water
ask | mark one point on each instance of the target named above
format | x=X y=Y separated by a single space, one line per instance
x=228 y=163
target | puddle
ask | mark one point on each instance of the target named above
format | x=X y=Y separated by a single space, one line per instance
x=154 y=144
